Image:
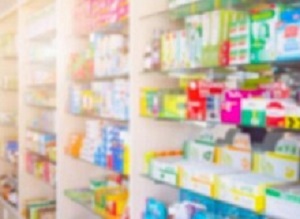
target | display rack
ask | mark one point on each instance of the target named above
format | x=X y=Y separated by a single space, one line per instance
x=44 y=72
x=8 y=106
x=61 y=97
x=76 y=41
x=165 y=134
x=37 y=67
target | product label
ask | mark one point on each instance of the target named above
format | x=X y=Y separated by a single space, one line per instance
x=275 y=114
x=254 y=112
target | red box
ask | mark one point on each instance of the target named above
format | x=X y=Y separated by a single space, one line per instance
x=275 y=114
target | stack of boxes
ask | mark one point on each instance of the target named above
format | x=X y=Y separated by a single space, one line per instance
x=268 y=33
x=224 y=173
x=99 y=13
x=91 y=141
x=111 y=55
x=102 y=144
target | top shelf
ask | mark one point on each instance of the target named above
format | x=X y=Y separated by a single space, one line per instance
x=119 y=27
x=180 y=72
x=102 y=78
x=200 y=6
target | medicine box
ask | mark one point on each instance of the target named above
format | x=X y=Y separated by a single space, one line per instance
x=283 y=201
x=246 y=190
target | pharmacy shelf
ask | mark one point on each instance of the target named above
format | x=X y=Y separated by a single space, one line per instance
x=147 y=177
x=42 y=86
x=96 y=165
x=9 y=96
x=82 y=197
x=86 y=201
x=107 y=119
x=40 y=130
x=103 y=78
x=199 y=7
x=210 y=124
x=219 y=70
x=40 y=106
x=116 y=27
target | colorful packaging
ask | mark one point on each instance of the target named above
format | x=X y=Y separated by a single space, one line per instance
x=201 y=149
x=246 y=190
x=264 y=20
x=149 y=102
x=231 y=108
x=155 y=209
x=201 y=177
x=196 y=105
x=173 y=105
x=194 y=42
x=288 y=145
x=288 y=35
x=240 y=39
x=275 y=114
x=166 y=169
x=254 y=112
x=292 y=116
x=287 y=196
x=281 y=166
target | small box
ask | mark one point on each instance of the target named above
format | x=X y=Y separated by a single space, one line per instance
x=254 y=112
x=246 y=190
x=292 y=117
x=281 y=166
x=201 y=177
x=263 y=32
x=165 y=169
x=196 y=103
x=283 y=201
x=288 y=36
x=275 y=114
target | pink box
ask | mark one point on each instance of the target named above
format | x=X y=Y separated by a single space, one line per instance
x=231 y=106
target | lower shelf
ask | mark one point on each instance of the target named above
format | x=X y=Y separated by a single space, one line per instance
x=83 y=197
x=177 y=187
x=96 y=165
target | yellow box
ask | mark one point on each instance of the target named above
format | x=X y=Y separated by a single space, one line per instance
x=278 y=165
x=201 y=177
x=246 y=190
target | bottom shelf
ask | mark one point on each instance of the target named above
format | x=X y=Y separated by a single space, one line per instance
x=83 y=197
x=255 y=215
x=13 y=210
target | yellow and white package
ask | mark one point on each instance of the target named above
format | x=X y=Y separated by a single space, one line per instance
x=286 y=196
x=201 y=177
x=165 y=170
x=246 y=190
x=284 y=163
x=238 y=155
x=278 y=165
x=202 y=149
